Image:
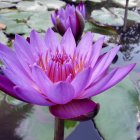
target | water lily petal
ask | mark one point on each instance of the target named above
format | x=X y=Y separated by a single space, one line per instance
x=18 y=78
x=8 y=57
x=32 y=96
x=118 y=76
x=75 y=109
x=41 y=79
x=68 y=42
x=61 y=93
x=82 y=78
x=23 y=50
x=37 y=43
x=93 y=89
x=85 y=44
x=96 y=49
x=51 y=39
x=103 y=63
x=6 y=85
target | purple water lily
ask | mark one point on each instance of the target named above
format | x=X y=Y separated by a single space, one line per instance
x=49 y=72
x=70 y=17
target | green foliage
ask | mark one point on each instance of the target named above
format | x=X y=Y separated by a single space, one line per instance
x=70 y=124
x=118 y=108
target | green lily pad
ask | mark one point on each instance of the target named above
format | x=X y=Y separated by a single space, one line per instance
x=30 y=6
x=106 y=30
x=106 y=17
x=118 y=108
x=17 y=28
x=131 y=14
x=12 y=1
x=132 y=3
x=39 y=125
x=40 y=21
x=15 y=15
x=113 y=16
x=3 y=38
x=53 y=4
x=6 y=5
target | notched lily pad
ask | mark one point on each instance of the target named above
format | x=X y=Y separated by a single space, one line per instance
x=53 y=4
x=40 y=21
x=106 y=30
x=17 y=28
x=15 y=15
x=118 y=108
x=113 y=16
x=30 y=6
x=132 y=3
x=6 y=5
x=11 y=1
x=3 y=38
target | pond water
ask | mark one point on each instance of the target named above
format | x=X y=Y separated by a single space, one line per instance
x=26 y=122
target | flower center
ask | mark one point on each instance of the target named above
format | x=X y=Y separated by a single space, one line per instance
x=58 y=67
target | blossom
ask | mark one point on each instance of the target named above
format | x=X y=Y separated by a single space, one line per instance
x=59 y=74
x=70 y=17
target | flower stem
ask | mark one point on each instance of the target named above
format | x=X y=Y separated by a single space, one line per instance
x=59 y=129
x=125 y=16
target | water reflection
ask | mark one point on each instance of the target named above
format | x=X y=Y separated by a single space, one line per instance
x=10 y=118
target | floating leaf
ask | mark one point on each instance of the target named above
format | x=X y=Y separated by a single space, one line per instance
x=118 y=108
x=3 y=38
x=12 y=1
x=40 y=21
x=53 y=4
x=134 y=16
x=113 y=16
x=106 y=30
x=30 y=6
x=106 y=17
x=132 y=3
x=6 y=5
x=15 y=15
x=17 y=28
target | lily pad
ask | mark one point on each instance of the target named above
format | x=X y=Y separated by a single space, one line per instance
x=30 y=6
x=106 y=30
x=131 y=14
x=40 y=21
x=53 y=4
x=15 y=15
x=132 y=3
x=3 y=38
x=12 y=1
x=6 y=5
x=118 y=109
x=106 y=17
x=113 y=16
x=17 y=28
x=13 y=27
